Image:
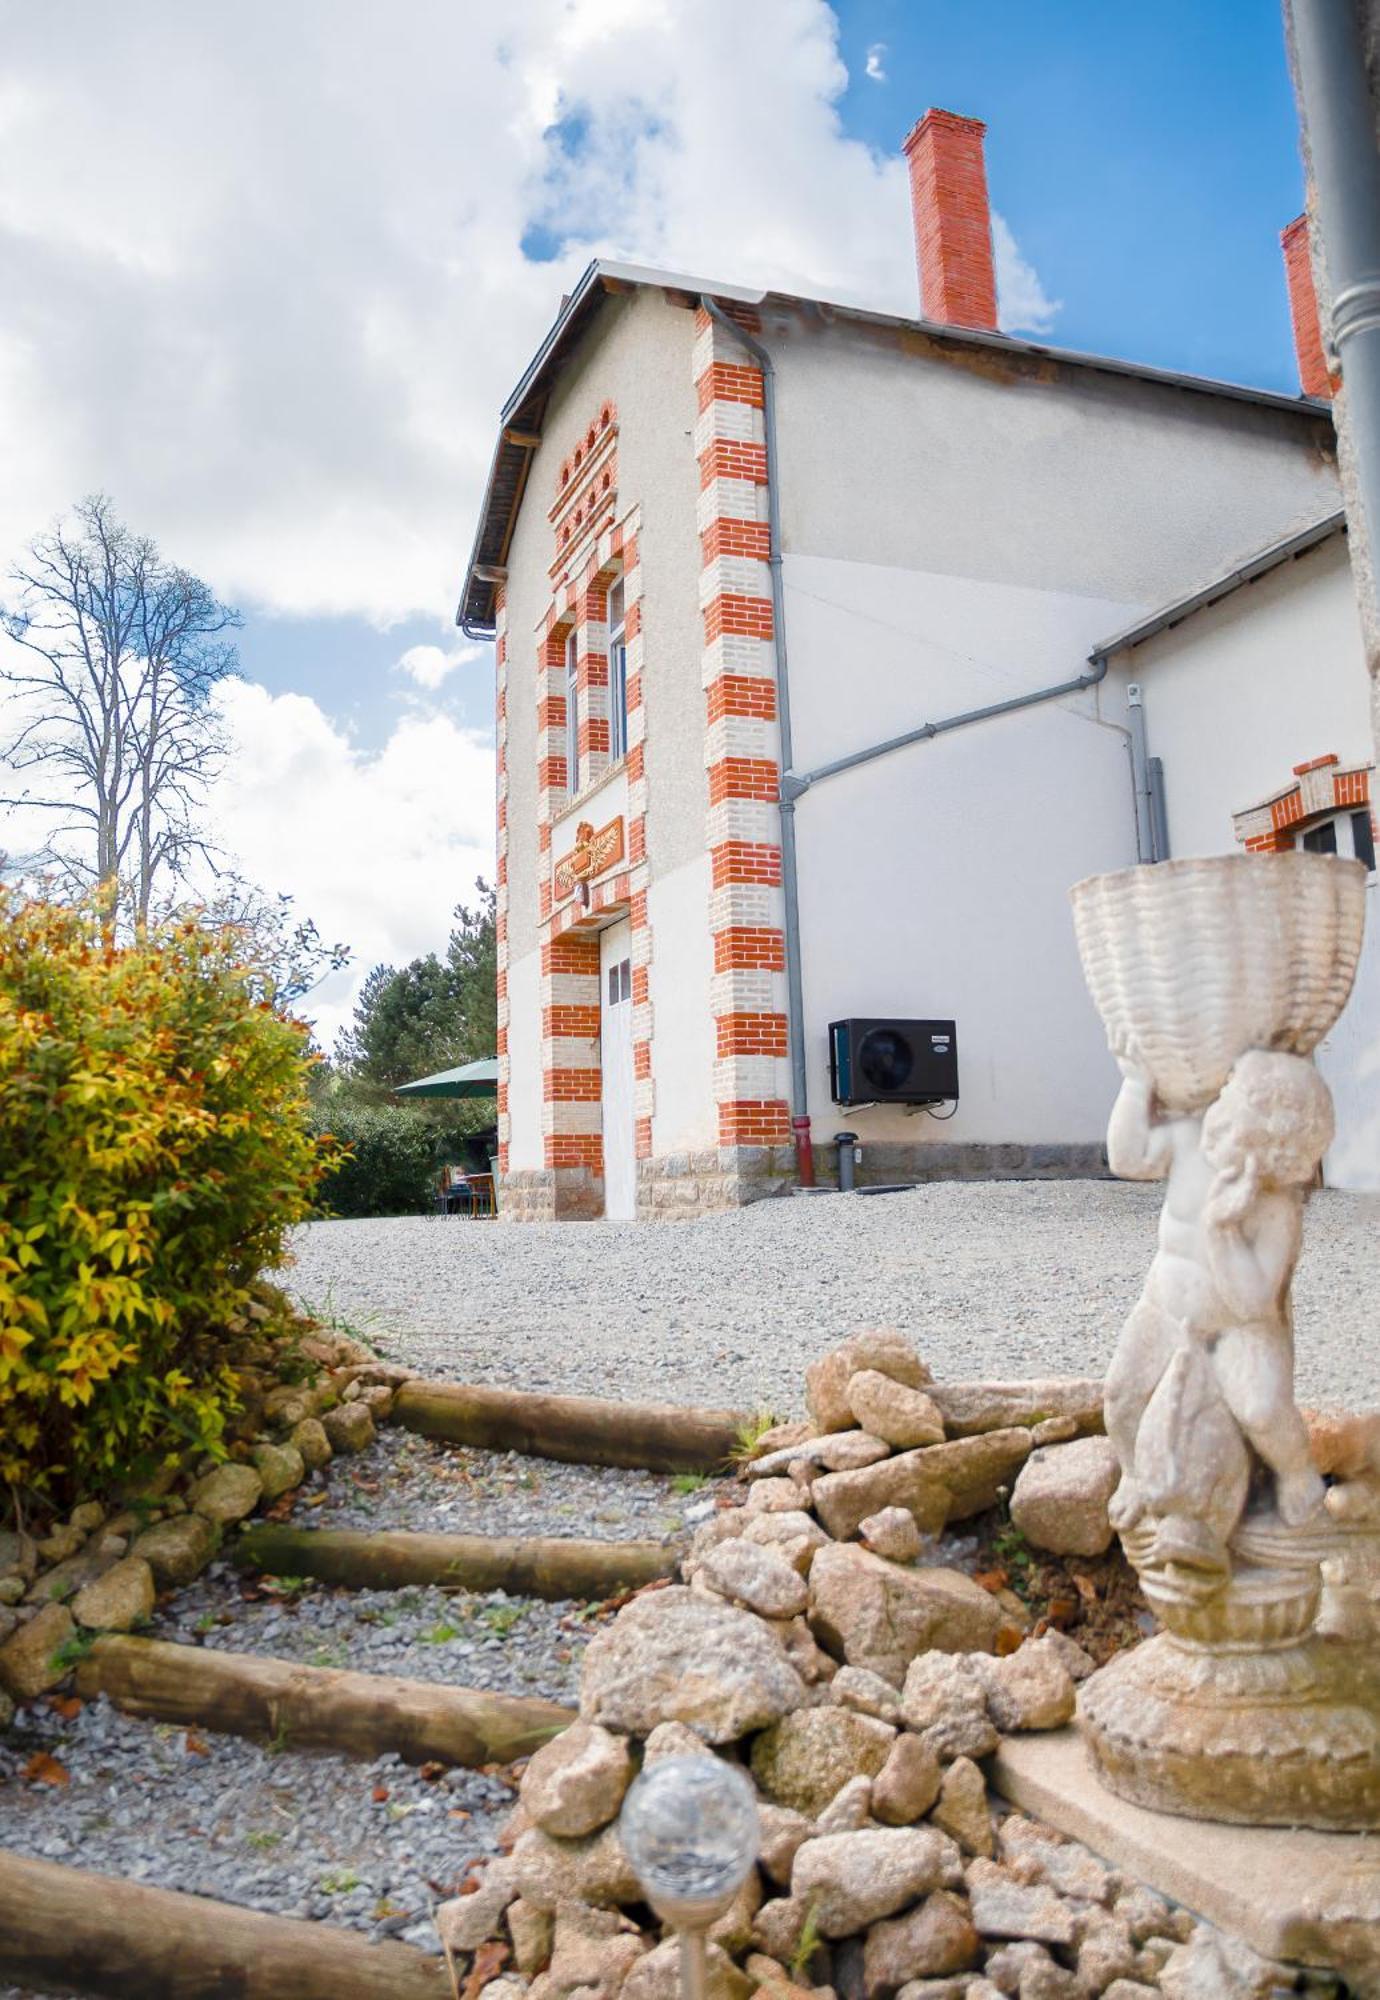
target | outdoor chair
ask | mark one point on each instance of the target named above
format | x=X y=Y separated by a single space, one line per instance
x=454 y=1194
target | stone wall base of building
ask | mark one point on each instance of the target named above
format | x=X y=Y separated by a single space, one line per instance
x=886 y=1162
x=551 y=1194
x=688 y=1184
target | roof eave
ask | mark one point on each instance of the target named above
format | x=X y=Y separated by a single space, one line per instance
x=523 y=409
x=1258 y=565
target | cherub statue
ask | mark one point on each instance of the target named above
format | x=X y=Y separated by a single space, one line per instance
x=1212 y=1333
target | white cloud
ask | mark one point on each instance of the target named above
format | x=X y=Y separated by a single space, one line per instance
x=264 y=281
x=876 y=67
x=377 y=849
x=1023 y=305
x=430 y=666
x=264 y=284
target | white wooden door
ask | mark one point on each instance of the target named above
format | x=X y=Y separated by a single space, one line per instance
x=616 y=1056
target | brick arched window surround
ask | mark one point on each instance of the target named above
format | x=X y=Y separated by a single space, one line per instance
x=1320 y=791
x=594 y=548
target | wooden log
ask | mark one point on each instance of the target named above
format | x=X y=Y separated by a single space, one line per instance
x=63 y=1930
x=317 y=1708
x=395 y=1558
x=583 y=1430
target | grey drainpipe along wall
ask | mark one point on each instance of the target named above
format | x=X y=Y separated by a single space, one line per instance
x=1340 y=120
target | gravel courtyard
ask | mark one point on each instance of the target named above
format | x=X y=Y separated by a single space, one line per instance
x=1008 y=1278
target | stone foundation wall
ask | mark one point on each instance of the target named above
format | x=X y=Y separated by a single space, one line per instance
x=884 y=1163
x=685 y=1184
x=551 y=1194
x=682 y=1184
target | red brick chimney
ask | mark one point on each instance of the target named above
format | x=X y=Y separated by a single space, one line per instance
x=953 y=225
x=1314 y=376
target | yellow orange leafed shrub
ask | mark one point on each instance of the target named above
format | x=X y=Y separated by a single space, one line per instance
x=153 y=1152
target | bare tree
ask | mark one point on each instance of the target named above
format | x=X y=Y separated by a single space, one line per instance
x=283 y=956
x=113 y=705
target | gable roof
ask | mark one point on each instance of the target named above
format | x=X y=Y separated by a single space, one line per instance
x=521 y=418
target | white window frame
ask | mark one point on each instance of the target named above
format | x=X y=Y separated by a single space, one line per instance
x=572 y=713
x=618 y=672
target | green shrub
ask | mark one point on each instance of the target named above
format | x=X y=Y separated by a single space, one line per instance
x=392 y=1163
x=154 y=1150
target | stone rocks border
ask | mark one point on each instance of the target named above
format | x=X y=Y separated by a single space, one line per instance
x=99 y=1571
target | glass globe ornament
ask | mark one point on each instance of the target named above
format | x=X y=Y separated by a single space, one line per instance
x=689 y=1828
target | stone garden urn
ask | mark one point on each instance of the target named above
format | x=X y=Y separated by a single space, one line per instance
x=1259 y=1700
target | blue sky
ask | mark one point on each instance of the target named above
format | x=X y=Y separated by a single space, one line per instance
x=1145 y=158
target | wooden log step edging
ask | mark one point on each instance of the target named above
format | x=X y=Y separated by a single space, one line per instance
x=63 y=1930
x=397 y=1558
x=297 y=1707
x=582 y=1430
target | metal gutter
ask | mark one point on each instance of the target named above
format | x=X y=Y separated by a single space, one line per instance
x=1223 y=586
x=1002 y=343
x=798 y=783
x=1339 y=117
x=790 y=878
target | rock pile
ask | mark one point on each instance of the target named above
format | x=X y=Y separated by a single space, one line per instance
x=860 y=1689
x=100 y=1569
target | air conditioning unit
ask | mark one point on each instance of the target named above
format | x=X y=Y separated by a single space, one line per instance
x=893 y=1062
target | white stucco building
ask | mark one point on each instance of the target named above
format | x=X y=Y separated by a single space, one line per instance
x=960 y=521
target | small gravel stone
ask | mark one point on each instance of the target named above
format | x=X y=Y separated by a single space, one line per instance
x=228 y=1494
x=962 y=1808
x=280 y=1467
x=349 y=1428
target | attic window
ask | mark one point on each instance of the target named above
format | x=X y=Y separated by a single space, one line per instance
x=1348 y=834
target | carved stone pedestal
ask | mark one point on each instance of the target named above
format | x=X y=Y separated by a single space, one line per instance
x=1260 y=1701
x=1289 y=1737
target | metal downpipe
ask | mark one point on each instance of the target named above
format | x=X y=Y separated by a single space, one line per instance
x=1339 y=116
x=1140 y=771
x=790 y=877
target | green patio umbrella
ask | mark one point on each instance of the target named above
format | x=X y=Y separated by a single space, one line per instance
x=476 y=1079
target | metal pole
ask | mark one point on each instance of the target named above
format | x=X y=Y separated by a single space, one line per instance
x=693 y=1963
x=790 y=877
x=1159 y=811
x=1140 y=771
x=1339 y=117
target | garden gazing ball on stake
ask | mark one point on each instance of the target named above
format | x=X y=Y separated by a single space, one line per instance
x=689 y=1827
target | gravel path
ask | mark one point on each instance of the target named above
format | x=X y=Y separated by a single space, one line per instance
x=411 y=1483
x=1006 y=1278
x=374 y=1846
